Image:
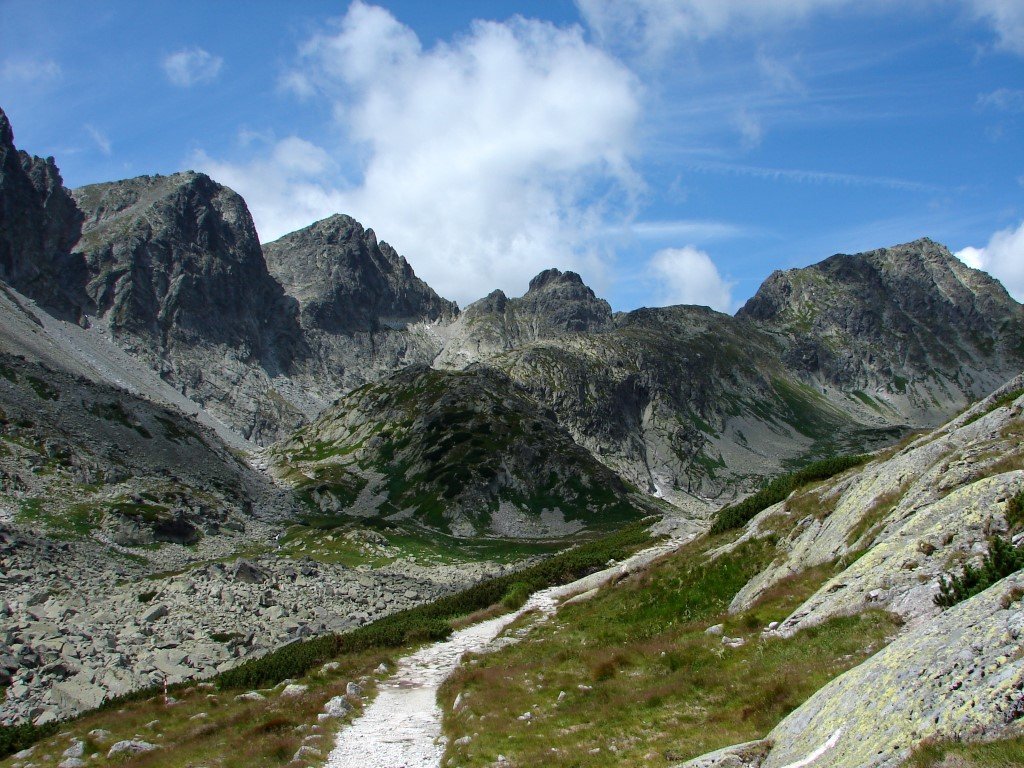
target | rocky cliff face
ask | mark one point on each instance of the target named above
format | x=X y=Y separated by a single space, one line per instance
x=345 y=281
x=363 y=311
x=39 y=224
x=177 y=275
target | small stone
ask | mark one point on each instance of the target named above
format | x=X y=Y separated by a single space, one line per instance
x=250 y=696
x=336 y=707
x=77 y=749
x=99 y=734
x=717 y=629
x=353 y=689
x=131 y=747
x=294 y=689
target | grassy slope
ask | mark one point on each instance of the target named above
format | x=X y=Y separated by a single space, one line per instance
x=643 y=682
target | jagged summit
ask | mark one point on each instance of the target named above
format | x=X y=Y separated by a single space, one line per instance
x=38 y=225
x=346 y=281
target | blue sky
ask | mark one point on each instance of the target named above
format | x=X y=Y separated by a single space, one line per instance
x=671 y=151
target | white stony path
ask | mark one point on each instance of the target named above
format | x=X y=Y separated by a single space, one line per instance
x=402 y=726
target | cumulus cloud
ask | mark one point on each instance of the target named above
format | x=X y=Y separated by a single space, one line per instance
x=688 y=276
x=30 y=71
x=484 y=159
x=192 y=66
x=1003 y=258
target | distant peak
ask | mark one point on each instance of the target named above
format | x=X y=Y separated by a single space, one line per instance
x=6 y=132
x=554 y=277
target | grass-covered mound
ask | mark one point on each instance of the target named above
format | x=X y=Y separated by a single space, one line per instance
x=461 y=452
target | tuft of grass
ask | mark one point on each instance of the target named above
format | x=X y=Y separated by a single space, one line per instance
x=1000 y=402
x=1015 y=512
x=938 y=753
x=870 y=521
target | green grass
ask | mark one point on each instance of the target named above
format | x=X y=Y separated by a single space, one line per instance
x=1002 y=753
x=656 y=689
x=1015 y=512
x=999 y=402
x=73 y=521
x=43 y=389
x=738 y=515
x=239 y=734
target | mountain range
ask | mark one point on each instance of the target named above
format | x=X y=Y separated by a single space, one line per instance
x=174 y=393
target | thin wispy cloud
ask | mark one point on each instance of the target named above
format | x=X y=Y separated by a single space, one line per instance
x=30 y=71
x=191 y=66
x=813 y=177
x=100 y=139
x=683 y=229
x=1003 y=100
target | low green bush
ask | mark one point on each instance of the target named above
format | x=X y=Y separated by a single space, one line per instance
x=1002 y=560
x=738 y=515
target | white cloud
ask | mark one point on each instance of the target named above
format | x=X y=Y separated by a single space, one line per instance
x=192 y=66
x=1007 y=18
x=101 y=139
x=485 y=159
x=30 y=71
x=1003 y=258
x=286 y=188
x=689 y=276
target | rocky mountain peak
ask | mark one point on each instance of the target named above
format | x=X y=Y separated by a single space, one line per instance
x=555 y=277
x=38 y=225
x=345 y=281
x=890 y=314
x=6 y=131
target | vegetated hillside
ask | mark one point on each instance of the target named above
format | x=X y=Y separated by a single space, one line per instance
x=811 y=635
x=463 y=452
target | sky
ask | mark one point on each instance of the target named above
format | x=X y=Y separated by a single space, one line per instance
x=670 y=151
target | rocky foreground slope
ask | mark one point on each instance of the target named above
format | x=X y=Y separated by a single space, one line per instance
x=903 y=523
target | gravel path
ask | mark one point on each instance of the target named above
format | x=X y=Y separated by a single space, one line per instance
x=402 y=727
